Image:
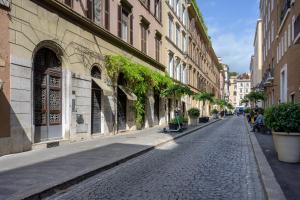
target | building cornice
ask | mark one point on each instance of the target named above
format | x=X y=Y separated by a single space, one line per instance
x=68 y=13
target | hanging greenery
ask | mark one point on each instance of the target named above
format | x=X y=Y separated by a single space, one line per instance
x=139 y=80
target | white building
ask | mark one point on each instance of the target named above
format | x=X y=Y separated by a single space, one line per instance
x=243 y=87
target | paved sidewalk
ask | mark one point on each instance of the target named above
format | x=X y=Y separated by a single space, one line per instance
x=35 y=172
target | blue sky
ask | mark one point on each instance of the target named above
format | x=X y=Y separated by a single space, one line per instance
x=231 y=25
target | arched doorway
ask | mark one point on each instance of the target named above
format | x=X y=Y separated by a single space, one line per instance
x=47 y=82
x=96 y=102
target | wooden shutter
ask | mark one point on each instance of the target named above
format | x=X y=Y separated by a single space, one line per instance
x=120 y=21
x=131 y=28
x=107 y=19
x=89 y=9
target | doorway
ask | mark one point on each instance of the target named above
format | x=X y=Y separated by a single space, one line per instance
x=121 y=105
x=96 y=102
x=47 y=83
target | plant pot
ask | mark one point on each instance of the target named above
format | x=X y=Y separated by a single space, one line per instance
x=193 y=121
x=215 y=116
x=184 y=125
x=203 y=119
x=287 y=146
x=173 y=126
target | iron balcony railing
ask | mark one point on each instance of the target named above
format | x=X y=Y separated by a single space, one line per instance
x=268 y=77
x=286 y=7
x=297 y=29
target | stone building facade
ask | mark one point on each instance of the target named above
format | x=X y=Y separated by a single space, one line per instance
x=54 y=60
x=192 y=59
x=5 y=109
x=281 y=50
x=256 y=60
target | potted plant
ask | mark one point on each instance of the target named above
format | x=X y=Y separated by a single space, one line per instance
x=284 y=120
x=193 y=113
x=204 y=97
x=174 y=124
x=215 y=113
x=183 y=122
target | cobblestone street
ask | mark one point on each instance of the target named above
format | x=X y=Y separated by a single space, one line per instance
x=216 y=162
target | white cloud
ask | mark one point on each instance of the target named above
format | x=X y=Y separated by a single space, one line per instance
x=234 y=44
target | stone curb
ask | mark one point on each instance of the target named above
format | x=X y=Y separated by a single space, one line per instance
x=68 y=183
x=272 y=189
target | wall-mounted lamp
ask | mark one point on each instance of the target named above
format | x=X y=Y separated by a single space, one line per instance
x=1 y=85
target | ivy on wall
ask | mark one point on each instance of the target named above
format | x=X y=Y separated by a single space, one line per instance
x=139 y=79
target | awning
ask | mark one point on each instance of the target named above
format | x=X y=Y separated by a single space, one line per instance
x=130 y=95
x=107 y=91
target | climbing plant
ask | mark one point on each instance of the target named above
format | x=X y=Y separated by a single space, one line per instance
x=139 y=80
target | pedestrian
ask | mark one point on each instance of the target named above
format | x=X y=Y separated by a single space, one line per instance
x=258 y=122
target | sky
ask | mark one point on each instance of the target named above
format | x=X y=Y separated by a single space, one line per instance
x=231 y=25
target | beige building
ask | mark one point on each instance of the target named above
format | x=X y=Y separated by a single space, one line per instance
x=257 y=59
x=192 y=59
x=53 y=55
x=281 y=50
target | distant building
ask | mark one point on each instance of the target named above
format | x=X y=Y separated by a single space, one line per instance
x=240 y=86
x=243 y=83
x=232 y=90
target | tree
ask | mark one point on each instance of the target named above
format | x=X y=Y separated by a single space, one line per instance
x=204 y=97
x=255 y=96
x=233 y=74
x=176 y=91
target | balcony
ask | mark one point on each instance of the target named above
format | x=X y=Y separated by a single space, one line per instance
x=297 y=30
x=268 y=78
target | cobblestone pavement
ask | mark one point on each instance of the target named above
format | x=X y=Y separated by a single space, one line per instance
x=216 y=162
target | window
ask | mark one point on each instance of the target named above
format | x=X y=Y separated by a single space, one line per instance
x=177 y=8
x=184 y=76
x=283 y=84
x=97 y=11
x=171 y=3
x=272 y=30
x=289 y=35
x=107 y=14
x=157 y=46
x=157 y=9
x=241 y=90
x=184 y=43
x=144 y=33
x=146 y=3
x=125 y=24
x=183 y=15
x=171 y=65
x=292 y=98
x=170 y=28
x=178 y=70
x=177 y=36
x=69 y=3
